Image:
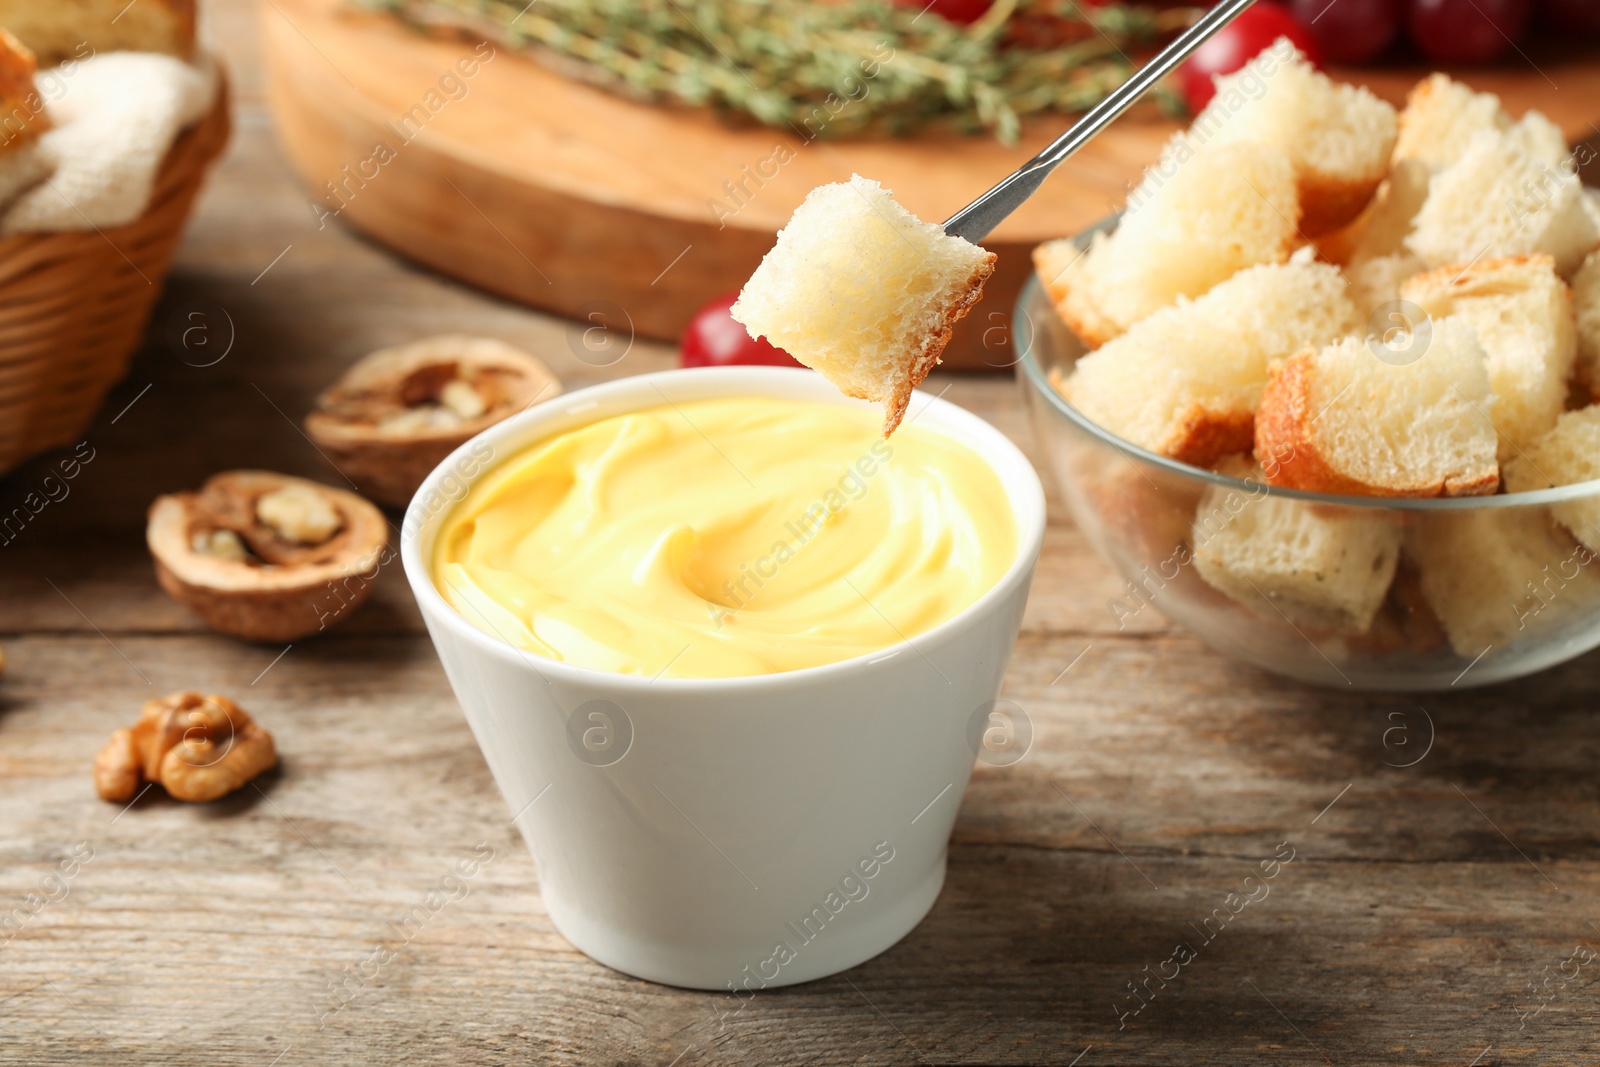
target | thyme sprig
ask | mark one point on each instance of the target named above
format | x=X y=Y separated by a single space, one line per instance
x=825 y=69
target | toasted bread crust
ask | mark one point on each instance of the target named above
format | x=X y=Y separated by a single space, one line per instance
x=1075 y=308
x=1199 y=437
x=1282 y=443
x=22 y=114
x=1481 y=483
x=17 y=68
x=184 y=12
x=1203 y=436
x=1286 y=444
x=1465 y=275
x=1418 y=111
x=1417 y=103
x=1326 y=203
x=1339 y=246
x=1049 y=277
x=921 y=363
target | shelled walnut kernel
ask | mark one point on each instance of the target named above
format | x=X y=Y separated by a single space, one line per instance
x=198 y=747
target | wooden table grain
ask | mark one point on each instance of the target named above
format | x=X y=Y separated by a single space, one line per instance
x=1441 y=906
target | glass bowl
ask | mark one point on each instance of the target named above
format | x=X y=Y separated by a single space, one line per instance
x=1485 y=588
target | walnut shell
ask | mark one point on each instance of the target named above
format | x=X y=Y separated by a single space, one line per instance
x=399 y=412
x=267 y=586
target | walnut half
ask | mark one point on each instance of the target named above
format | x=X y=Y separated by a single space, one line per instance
x=198 y=747
x=397 y=413
x=267 y=557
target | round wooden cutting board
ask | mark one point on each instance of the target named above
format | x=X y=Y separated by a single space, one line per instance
x=493 y=169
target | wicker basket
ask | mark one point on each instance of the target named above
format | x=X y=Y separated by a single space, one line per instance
x=73 y=306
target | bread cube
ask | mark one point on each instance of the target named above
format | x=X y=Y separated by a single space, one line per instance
x=1370 y=418
x=1522 y=313
x=1146 y=519
x=1195 y=220
x=1321 y=568
x=1541 y=140
x=1338 y=136
x=1495 y=575
x=1377 y=281
x=1568 y=454
x=1496 y=201
x=1586 y=302
x=1185 y=381
x=1404 y=623
x=1067 y=274
x=59 y=31
x=1441 y=117
x=863 y=292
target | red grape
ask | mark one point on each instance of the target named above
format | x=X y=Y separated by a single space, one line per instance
x=715 y=338
x=1573 y=16
x=1351 y=31
x=962 y=11
x=1237 y=44
x=1467 y=31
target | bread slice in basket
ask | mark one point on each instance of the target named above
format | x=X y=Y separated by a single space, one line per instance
x=1185 y=381
x=863 y=292
x=1406 y=418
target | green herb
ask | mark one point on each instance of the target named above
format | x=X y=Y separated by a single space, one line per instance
x=821 y=68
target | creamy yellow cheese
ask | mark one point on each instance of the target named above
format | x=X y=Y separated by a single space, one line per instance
x=725 y=537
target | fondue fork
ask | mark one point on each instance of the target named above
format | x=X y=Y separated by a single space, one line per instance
x=975 y=221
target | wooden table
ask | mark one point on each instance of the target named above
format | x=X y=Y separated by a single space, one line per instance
x=1430 y=914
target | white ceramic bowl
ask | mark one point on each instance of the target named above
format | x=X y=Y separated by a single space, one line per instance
x=734 y=833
